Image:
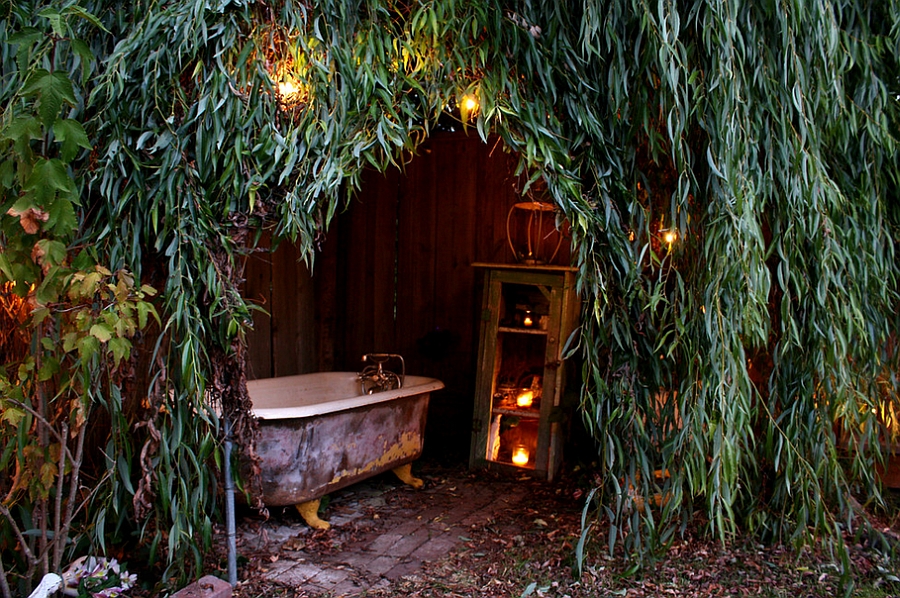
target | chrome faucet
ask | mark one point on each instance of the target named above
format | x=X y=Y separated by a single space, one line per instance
x=374 y=378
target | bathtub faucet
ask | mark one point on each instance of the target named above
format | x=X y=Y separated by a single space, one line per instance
x=374 y=378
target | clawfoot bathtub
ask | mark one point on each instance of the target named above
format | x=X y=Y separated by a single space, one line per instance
x=318 y=434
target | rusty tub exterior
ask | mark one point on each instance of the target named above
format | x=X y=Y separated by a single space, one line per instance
x=319 y=434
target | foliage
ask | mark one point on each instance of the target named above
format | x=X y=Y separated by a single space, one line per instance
x=81 y=315
x=738 y=372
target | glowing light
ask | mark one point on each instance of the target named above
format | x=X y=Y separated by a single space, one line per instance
x=288 y=88
x=670 y=237
x=528 y=322
x=525 y=398
x=290 y=91
x=520 y=456
x=469 y=103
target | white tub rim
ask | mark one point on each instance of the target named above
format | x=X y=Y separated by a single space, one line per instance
x=307 y=384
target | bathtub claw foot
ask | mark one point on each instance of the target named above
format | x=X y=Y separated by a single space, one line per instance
x=404 y=472
x=310 y=512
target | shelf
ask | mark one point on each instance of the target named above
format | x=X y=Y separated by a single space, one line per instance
x=525 y=267
x=533 y=413
x=518 y=330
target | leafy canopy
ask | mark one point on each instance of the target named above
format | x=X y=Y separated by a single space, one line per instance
x=741 y=370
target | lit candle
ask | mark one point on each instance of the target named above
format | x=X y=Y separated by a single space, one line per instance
x=528 y=322
x=525 y=398
x=520 y=456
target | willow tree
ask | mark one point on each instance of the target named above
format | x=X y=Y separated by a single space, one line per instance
x=740 y=370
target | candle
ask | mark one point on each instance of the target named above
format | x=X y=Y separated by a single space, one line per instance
x=528 y=322
x=525 y=398
x=520 y=456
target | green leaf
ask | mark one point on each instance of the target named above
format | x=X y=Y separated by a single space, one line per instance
x=39 y=314
x=70 y=134
x=6 y=267
x=84 y=261
x=70 y=341
x=63 y=220
x=145 y=309
x=49 y=368
x=120 y=348
x=102 y=332
x=52 y=89
x=49 y=290
x=47 y=178
x=88 y=346
x=56 y=23
x=12 y=415
x=124 y=473
x=78 y=11
x=7 y=173
x=50 y=252
x=22 y=130
x=26 y=36
x=83 y=51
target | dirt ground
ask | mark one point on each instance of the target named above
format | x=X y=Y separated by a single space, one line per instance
x=529 y=550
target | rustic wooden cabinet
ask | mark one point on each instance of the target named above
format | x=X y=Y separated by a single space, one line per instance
x=529 y=313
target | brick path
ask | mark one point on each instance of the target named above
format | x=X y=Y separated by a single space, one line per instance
x=381 y=531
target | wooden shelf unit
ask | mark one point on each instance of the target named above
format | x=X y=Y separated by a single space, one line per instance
x=528 y=314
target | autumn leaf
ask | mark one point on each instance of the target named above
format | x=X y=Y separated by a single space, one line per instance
x=30 y=218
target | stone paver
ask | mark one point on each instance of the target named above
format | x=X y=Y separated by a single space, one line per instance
x=381 y=531
x=296 y=574
x=407 y=544
x=382 y=564
x=434 y=548
x=206 y=587
x=330 y=577
x=383 y=542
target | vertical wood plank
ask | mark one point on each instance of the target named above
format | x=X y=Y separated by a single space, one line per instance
x=353 y=286
x=325 y=271
x=415 y=259
x=306 y=318
x=383 y=229
x=293 y=313
x=496 y=196
x=284 y=313
x=257 y=289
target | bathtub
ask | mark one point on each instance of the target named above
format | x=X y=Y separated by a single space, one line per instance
x=318 y=433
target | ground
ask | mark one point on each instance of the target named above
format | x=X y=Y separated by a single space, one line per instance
x=480 y=534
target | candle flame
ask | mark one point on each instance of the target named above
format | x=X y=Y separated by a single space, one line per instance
x=525 y=398
x=520 y=456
